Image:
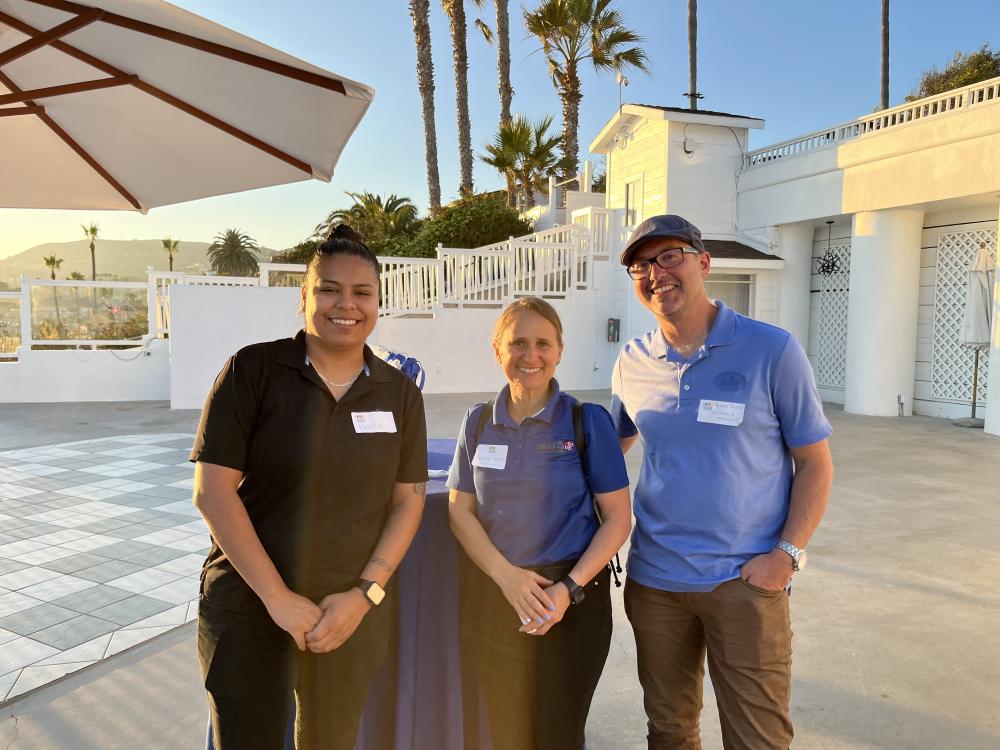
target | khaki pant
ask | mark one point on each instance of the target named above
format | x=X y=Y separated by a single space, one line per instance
x=747 y=635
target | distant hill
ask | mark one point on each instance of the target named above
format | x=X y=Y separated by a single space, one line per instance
x=124 y=259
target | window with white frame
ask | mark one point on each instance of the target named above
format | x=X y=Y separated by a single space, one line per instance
x=633 y=202
x=735 y=289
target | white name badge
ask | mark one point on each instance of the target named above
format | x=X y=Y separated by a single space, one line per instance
x=373 y=421
x=490 y=456
x=721 y=412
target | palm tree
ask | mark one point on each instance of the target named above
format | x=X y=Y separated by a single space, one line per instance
x=170 y=247
x=572 y=32
x=693 y=95
x=503 y=53
x=540 y=161
x=52 y=263
x=420 y=12
x=234 y=253
x=455 y=10
x=377 y=218
x=526 y=155
x=76 y=276
x=91 y=234
x=885 y=55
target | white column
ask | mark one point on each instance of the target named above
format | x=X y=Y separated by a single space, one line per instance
x=992 y=417
x=882 y=312
x=794 y=244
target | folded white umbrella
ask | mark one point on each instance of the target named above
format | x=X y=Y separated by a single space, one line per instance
x=977 y=321
x=133 y=104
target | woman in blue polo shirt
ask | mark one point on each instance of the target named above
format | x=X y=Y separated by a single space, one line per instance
x=536 y=605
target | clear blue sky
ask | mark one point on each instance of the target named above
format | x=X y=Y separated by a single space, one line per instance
x=801 y=65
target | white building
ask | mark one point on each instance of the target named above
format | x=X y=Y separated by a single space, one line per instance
x=890 y=206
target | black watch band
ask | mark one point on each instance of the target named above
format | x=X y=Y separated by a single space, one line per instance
x=576 y=592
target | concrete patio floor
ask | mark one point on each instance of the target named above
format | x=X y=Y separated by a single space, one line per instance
x=897 y=618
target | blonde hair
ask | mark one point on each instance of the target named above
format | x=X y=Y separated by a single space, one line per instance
x=526 y=304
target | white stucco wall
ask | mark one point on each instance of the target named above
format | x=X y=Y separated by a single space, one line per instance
x=643 y=157
x=63 y=375
x=702 y=184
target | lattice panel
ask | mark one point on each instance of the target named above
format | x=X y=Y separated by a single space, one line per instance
x=951 y=364
x=831 y=349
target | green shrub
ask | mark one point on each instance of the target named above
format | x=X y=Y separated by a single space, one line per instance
x=468 y=222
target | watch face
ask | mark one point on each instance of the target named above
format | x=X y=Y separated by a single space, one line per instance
x=375 y=593
x=803 y=558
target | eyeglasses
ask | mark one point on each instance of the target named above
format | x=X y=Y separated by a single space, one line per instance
x=667 y=259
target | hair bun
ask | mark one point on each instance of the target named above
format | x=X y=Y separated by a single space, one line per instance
x=346 y=232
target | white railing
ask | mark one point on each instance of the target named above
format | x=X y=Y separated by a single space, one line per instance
x=408 y=285
x=950 y=102
x=282 y=270
x=474 y=276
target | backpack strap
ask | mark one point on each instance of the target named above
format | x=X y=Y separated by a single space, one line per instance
x=484 y=415
x=581 y=449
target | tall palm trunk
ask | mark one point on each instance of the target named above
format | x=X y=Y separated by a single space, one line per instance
x=420 y=12
x=885 y=55
x=693 y=54
x=503 y=59
x=170 y=260
x=569 y=93
x=456 y=15
x=93 y=262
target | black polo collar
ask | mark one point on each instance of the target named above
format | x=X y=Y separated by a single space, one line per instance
x=293 y=354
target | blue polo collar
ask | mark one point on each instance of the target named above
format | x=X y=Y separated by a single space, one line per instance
x=721 y=333
x=501 y=410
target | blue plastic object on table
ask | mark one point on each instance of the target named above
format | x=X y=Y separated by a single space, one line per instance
x=416 y=697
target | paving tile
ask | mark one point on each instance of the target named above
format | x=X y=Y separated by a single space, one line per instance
x=90 y=651
x=155 y=556
x=174 y=617
x=73 y=632
x=14 y=602
x=125 y=639
x=119 y=550
x=105 y=525
x=7 y=635
x=108 y=571
x=177 y=592
x=131 y=531
x=143 y=580
x=186 y=565
x=31 y=531
x=11 y=566
x=28 y=577
x=57 y=588
x=75 y=562
x=37 y=618
x=7 y=682
x=92 y=598
x=89 y=543
x=128 y=611
x=47 y=554
x=35 y=676
x=21 y=652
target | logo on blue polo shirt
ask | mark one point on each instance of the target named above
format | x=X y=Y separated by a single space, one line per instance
x=556 y=446
x=730 y=381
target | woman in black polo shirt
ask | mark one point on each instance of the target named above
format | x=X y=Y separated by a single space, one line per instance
x=311 y=468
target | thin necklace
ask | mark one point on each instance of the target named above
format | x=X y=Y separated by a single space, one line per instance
x=339 y=385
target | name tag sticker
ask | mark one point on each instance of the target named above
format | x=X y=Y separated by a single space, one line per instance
x=373 y=421
x=721 y=412
x=490 y=456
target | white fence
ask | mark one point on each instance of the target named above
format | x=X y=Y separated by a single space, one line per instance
x=950 y=102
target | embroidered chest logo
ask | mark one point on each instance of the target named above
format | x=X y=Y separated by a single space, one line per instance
x=557 y=446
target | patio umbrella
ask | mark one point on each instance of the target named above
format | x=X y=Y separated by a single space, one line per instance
x=133 y=104
x=977 y=321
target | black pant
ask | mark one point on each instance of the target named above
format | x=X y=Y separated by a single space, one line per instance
x=251 y=669
x=537 y=689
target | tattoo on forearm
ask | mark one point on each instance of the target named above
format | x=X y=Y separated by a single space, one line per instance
x=381 y=563
x=420 y=488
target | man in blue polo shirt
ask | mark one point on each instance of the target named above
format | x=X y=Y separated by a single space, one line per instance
x=735 y=477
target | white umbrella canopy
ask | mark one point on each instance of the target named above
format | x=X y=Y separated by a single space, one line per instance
x=133 y=104
x=977 y=321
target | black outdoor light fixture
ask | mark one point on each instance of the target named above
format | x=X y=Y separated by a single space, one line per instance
x=828 y=265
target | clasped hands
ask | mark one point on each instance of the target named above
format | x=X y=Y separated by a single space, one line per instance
x=538 y=602
x=319 y=627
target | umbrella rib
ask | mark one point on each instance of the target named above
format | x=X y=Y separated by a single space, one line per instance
x=68 y=140
x=163 y=96
x=47 y=37
x=68 y=88
x=30 y=109
x=194 y=42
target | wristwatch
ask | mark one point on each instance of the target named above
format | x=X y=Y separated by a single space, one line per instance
x=372 y=591
x=798 y=555
x=576 y=593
